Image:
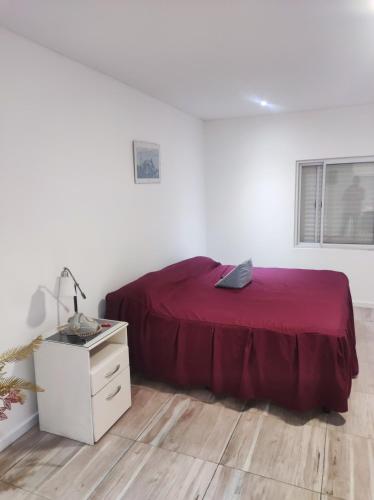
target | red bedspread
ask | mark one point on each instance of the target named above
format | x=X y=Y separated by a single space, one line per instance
x=287 y=337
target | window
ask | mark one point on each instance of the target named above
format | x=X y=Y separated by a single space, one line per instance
x=335 y=202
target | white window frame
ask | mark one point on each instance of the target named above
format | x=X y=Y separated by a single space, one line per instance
x=323 y=163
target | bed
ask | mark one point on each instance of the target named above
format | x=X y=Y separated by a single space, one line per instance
x=288 y=337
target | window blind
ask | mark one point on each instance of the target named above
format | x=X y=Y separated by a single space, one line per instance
x=349 y=203
x=310 y=203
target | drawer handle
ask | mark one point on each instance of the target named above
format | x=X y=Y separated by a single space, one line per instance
x=108 y=375
x=111 y=396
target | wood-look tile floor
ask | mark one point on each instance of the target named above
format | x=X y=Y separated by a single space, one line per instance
x=175 y=444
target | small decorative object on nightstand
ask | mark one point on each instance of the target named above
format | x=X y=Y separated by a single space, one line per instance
x=86 y=381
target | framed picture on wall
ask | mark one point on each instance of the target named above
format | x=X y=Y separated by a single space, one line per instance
x=146 y=162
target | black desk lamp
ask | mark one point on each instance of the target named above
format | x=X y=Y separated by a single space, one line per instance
x=79 y=324
x=66 y=288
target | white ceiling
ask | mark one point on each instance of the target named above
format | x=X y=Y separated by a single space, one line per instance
x=215 y=58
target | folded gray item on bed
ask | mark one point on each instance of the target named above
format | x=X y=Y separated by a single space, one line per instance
x=240 y=276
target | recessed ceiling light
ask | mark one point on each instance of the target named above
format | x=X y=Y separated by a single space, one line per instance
x=259 y=101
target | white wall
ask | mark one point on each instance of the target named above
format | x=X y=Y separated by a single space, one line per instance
x=67 y=195
x=250 y=180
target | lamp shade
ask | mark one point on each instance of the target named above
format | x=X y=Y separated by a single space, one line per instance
x=66 y=288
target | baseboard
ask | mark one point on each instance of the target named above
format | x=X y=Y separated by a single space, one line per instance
x=369 y=305
x=18 y=431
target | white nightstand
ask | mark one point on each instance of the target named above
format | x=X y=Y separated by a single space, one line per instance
x=87 y=383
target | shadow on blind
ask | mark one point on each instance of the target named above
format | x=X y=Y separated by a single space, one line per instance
x=349 y=203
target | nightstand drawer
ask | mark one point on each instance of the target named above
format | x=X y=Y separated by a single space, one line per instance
x=110 y=403
x=106 y=364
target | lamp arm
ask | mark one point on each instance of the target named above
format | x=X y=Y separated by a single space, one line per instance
x=75 y=281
